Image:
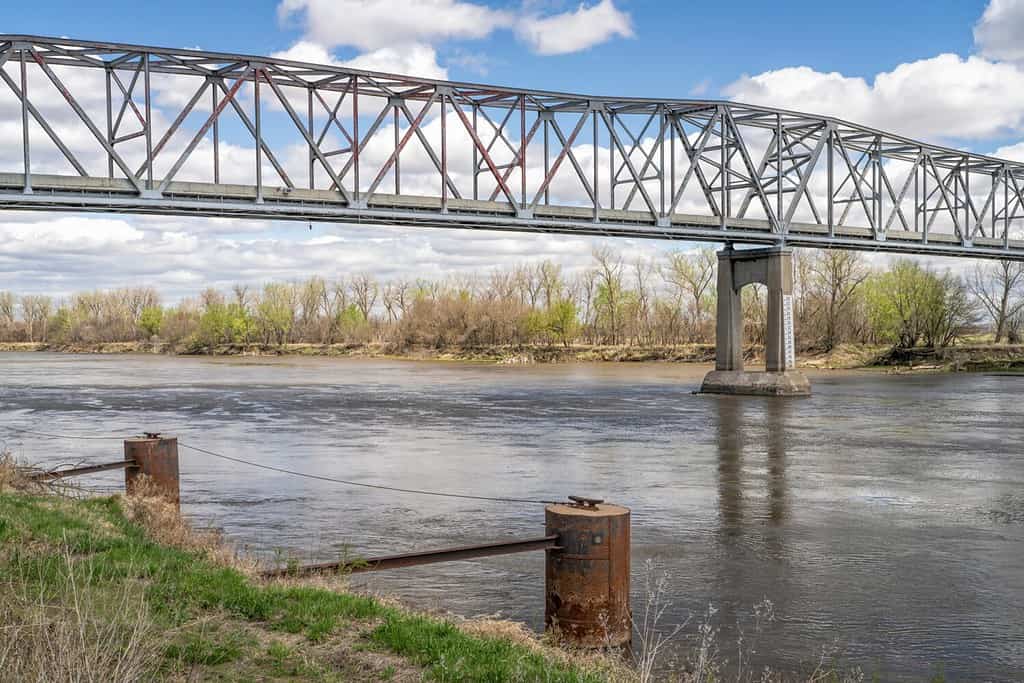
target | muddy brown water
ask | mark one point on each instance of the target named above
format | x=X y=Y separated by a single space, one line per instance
x=883 y=517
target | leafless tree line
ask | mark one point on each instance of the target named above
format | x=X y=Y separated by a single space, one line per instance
x=838 y=299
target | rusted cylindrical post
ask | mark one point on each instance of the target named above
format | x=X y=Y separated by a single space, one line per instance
x=157 y=459
x=587 y=578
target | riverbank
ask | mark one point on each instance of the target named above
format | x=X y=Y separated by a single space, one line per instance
x=980 y=357
x=122 y=589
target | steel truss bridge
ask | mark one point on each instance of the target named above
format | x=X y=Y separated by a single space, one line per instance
x=109 y=127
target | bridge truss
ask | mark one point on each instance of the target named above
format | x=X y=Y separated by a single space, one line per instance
x=131 y=129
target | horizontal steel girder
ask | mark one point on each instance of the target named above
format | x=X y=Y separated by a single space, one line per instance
x=541 y=161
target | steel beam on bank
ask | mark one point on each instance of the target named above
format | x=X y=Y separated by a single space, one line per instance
x=414 y=559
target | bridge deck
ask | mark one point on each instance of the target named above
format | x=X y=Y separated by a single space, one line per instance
x=83 y=193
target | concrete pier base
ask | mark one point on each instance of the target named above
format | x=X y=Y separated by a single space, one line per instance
x=772 y=268
x=742 y=382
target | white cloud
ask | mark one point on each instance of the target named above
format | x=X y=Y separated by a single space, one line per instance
x=942 y=98
x=70 y=232
x=59 y=256
x=999 y=34
x=414 y=59
x=384 y=27
x=374 y=24
x=308 y=51
x=574 y=31
x=1011 y=152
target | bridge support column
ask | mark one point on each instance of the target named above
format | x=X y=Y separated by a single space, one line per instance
x=773 y=268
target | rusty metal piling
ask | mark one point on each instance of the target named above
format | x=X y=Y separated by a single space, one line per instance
x=156 y=459
x=587 y=578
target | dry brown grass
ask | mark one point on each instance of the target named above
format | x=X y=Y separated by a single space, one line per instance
x=87 y=636
x=14 y=475
x=164 y=524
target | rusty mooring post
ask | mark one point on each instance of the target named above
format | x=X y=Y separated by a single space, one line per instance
x=157 y=458
x=587 y=577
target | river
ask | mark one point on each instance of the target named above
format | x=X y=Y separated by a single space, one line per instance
x=883 y=517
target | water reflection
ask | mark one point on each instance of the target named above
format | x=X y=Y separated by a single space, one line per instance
x=778 y=422
x=753 y=506
x=751 y=436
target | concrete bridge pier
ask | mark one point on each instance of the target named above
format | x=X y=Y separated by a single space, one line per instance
x=773 y=268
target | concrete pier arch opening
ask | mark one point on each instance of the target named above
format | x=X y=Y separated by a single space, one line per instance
x=738 y=268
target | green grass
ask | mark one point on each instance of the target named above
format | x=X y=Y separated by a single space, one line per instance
x=182 y=589
x=210 y=649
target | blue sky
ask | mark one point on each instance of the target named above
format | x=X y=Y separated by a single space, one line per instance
x=950 y=72
x=677 y=45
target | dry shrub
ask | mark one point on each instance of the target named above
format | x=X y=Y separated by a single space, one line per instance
x=165 y=525
x=83 y=634
x=15 y=475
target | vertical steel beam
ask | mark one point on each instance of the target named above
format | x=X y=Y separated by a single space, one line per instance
x=26 y=153
x=444 y=152
x=779 y=146
x=613 y=174
x=476 y=155
x=662 y=124
x=149 y=123
x=926 y=223
x=672 y=158
x=917 y=193
x=831 y=182
x=258 y=123
x=397 y=156
x=596 y=182
x=309 y=127
x=723 y=180
x=215 y=112
x=1006 y=208
x=524 y=140
x=547 y=157
x=355 y=139
x=110 y=121
x=968 y=232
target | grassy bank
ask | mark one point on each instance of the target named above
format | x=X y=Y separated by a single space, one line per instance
x=121 y=588
x=116 y=589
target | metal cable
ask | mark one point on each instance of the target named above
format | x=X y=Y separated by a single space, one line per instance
x=422 y=492
x=369 y=486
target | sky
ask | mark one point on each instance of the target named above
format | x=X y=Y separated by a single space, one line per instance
x=948 y=72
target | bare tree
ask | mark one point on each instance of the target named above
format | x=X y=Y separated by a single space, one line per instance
x=587 y=289
x=311 y=298
x=641 y=272
x=242 y=297
x=36 y=311
x=364 y=294
x=693 y=275
x=611 y=294
x=7 y=306
x=549 y=277
x=999 y=286
x=834 y=276
x=211 y=297
x=529 y=285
